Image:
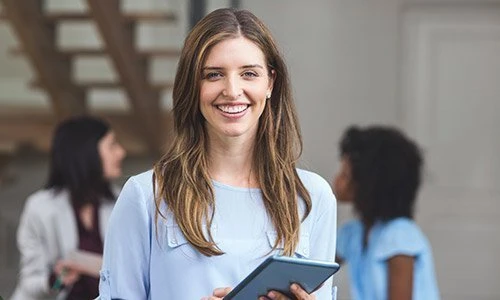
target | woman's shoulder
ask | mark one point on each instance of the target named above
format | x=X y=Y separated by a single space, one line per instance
x=46 y=202
x=145 y=178
x=47 y=198
x=401 y=226
x=136 y=198
x=313 y=181
x=401 y=236
x=320 y=191
x=142 y=181
x=138 y=188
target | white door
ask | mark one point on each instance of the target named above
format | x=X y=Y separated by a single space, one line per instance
x=451 y=92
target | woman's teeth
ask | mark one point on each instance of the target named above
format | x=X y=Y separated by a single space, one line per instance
x=232 y=109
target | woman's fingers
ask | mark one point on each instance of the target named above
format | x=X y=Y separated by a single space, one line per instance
x=299 y=293
x=67 y=272
x=221 y=292
x=59 y=267
x=218 y=293
x=273 y=295
x=70 y=277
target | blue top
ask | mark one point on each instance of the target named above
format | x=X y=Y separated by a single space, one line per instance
x=368 y=269
x=140 y=263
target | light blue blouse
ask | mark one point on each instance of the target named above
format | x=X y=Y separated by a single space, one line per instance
x=368 y=272
x=142 y=263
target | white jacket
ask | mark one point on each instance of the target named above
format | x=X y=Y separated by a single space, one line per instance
x=47 y=232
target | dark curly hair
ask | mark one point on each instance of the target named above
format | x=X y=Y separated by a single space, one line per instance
x=386 y=172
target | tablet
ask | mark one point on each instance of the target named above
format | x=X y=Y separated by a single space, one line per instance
x=279 y=272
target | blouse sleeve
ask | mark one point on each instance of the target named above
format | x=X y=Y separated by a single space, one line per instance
x=125 y=270
x=35 y=268
x=400 y=237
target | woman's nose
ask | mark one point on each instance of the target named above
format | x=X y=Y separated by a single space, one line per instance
x=232 y=89
x=122 y=153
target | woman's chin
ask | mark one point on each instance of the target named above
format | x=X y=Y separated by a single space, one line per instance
x=113 y=175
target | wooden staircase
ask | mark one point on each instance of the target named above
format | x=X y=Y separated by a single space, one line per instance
x=36 y=31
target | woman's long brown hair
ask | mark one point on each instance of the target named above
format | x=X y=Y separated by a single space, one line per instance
x=181 y=177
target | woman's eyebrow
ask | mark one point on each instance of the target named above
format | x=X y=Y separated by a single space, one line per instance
x=252 y=66
x=212 y=68
x=242 y=67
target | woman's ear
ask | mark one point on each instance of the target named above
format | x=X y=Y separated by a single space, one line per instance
x=272 y=76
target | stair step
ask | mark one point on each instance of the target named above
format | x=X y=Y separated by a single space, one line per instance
x=159 y=86
x=144 y=53
x=130 y=17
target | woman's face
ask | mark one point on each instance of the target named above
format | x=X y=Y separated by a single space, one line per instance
x=112 y=154
x=343 y=186
x=234 y=87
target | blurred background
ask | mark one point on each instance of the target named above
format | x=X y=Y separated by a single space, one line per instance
x=429 y=67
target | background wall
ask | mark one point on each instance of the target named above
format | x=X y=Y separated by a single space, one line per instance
x=343 y=60
x=347 y=63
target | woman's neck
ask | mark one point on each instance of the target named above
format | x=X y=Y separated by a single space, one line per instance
x=231 y=162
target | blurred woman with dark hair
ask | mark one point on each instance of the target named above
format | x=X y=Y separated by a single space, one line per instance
x=388 y=255
x=70 y=213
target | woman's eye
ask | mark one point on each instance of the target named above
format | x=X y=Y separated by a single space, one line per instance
x=212 y=75
x=250 y=74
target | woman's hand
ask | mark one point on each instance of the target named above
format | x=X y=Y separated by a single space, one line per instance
x=67 y=272
x=299 y=293
x=218 y=294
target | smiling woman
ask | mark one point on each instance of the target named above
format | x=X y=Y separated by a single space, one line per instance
x=227 y=194
x=234 y=88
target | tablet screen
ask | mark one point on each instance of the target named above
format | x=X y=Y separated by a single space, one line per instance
x=279 y=272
